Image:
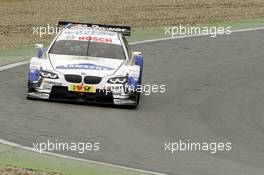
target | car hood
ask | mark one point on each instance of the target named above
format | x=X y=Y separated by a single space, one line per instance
x=91 y=66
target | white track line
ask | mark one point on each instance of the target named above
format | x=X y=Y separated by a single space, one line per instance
x=9 y=66
x=191 y=36
x=12 y=65
x=4 y=142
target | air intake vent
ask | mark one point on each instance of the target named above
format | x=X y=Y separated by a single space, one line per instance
x=73 y=78
x=92 y=80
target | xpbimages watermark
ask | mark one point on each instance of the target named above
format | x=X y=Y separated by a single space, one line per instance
x=79 y=147
x=55 y=29
x=46 y=30
x=212 y=147
x=145 y=89
x=212 y=31
x=81 y=29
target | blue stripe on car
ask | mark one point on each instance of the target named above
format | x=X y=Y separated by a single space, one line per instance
x=84 y=66
x=40 y=52
x=33 y=75
x=139 y=62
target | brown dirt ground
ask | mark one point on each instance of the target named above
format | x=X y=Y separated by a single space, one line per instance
x=9 y=170
x=19 y=16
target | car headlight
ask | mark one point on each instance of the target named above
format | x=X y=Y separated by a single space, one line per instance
x=118 y=80
x=46 y=74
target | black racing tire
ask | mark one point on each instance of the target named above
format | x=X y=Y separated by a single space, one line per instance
x=134 y=106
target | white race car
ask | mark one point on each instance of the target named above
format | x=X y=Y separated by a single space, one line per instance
x=87 y=63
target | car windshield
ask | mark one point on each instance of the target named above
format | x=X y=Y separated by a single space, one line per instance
x=88 y=48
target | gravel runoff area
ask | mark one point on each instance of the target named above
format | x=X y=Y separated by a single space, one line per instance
x=18 y=17
x=10 y=170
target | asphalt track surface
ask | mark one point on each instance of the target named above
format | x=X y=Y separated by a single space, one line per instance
x=214 y=93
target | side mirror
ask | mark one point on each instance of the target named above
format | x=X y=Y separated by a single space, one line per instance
x=39 y=45
x=40 y=50
x=137 y=53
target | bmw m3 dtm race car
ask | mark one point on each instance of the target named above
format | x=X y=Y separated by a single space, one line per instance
x=87 y=63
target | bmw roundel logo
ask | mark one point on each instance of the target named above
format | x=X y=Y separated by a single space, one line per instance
x=83 y=73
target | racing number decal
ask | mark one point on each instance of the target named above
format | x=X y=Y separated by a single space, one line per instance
x=81 y=88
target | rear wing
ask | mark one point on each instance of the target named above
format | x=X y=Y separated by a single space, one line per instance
x=125 y=30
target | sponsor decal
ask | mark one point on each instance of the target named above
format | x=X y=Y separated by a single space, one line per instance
x=96 y=39
x=116 y=29
x=69 y=37
x=84 y=66
x=101 y=27
x=81 y=88
x=87 y=32
x=120 y=101
x=48 y=84
x=52 y=83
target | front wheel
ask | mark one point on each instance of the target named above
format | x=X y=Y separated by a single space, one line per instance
x=137 y=97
